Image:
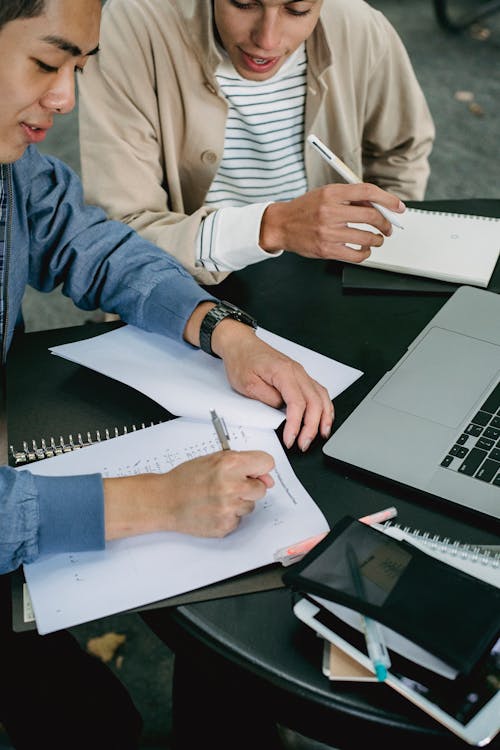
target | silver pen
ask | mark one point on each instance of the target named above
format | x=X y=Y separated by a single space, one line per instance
x=220 y=430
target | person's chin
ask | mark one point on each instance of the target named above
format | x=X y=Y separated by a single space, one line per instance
x=12 y=153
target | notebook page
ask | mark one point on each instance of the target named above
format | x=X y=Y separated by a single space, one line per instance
x=71 y=588
x=451 y=247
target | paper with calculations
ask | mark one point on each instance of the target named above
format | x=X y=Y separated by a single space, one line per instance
x=69 y=589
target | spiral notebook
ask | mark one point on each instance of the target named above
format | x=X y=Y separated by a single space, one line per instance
x=451 y=247
x=482 y=561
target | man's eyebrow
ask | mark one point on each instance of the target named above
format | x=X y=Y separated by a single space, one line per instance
x=66 y=46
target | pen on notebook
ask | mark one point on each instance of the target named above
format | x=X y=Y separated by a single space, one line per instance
x=295 y=552
x=349 y=176
x=220 y=430
x=375 y=644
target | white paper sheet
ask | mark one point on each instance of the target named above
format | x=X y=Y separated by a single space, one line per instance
x=68 y=589
x=187 y=381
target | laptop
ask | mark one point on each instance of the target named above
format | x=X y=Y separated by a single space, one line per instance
x=433 y=421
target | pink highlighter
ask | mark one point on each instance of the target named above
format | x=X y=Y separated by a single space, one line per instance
x=295 y=552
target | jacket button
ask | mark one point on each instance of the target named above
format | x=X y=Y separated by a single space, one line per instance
x=209 y=157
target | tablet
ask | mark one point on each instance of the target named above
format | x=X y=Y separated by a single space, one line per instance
x=469 y=707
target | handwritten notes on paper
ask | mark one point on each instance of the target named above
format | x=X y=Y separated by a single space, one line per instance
x=69 y=589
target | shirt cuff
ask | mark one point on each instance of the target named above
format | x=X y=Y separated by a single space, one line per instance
x=71 y=513
x=228 y=239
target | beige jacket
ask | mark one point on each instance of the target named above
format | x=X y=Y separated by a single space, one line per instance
x=152 y=120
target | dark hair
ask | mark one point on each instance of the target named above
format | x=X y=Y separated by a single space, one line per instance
x=12 y=9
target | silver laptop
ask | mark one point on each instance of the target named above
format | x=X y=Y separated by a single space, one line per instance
x=433 y=421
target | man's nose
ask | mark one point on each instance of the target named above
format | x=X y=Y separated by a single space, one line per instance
x=267 y=32
x=60 y=97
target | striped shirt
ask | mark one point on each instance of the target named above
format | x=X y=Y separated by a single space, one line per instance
x=262 y=161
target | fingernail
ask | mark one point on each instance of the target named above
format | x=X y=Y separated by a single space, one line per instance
x=305 y=445
x=327 y=431
x=401 y=206
x=290 y=441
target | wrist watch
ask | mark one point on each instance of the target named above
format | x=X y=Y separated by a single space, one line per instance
x=214 y=316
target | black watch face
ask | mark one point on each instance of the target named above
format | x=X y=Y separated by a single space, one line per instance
x=238 y=314
x=231 y=307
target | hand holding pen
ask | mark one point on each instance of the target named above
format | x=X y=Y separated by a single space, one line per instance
x=349 y=176
x=221 y=430
x=324 y=222
x=223 y=438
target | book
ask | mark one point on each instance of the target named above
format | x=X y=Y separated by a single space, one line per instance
x=452 y=247
x=338 y=665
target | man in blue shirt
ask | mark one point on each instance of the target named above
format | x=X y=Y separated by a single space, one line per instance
x=49 y=237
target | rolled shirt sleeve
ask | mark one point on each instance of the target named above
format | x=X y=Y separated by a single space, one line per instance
x=44 y=515
x=71 y=513
x=228 y=239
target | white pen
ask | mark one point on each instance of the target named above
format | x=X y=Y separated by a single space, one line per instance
x=349 y=176
x=220 y=430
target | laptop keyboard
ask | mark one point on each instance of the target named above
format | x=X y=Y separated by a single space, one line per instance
x=476 y=452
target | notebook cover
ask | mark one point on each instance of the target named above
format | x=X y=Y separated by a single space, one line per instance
x=246 y=583
x=360 y=279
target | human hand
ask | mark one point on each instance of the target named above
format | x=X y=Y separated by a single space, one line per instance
x=206 y=497
x=315 y=225
x=261 y=372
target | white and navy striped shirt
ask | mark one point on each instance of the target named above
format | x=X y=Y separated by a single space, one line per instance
x=262 y=162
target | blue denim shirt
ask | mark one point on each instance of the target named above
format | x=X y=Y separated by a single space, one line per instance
x=53 y=238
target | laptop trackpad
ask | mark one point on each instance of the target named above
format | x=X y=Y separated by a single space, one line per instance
x=442 y=378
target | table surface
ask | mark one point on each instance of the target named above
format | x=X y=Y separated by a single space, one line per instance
x=302 y=300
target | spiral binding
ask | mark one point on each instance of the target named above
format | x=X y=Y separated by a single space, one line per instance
x=473 y=552
x=454 y=214
x=50 y=448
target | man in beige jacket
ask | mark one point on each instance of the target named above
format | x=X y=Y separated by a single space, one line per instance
x=194 y=118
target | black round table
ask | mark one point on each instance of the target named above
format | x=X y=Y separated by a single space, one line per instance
x=248 y=657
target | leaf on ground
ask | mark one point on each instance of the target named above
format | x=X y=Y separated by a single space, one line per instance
x=105 y=646
x=476 y=109
x=464 y=96
x=480 y=32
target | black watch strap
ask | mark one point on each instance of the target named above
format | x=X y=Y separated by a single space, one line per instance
x=214 y=316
